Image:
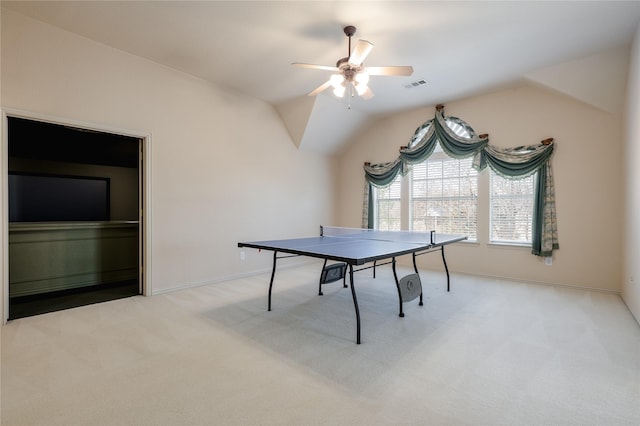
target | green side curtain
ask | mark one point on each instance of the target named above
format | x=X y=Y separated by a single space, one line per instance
x=510 y=163
x=367 y=206
x=545 y=240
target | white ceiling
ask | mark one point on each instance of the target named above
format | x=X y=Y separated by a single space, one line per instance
x=459 y=48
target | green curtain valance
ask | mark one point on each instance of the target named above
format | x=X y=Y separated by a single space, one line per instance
x=454 y=145
x=517 y=162
x=383 y=174
x=510 y=163
x=421 y=146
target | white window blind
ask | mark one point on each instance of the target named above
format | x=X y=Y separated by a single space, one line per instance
x=444 y=195
x=511 y=209
x=387 y=209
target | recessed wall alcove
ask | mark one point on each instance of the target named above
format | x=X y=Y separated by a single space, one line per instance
x=74 y=207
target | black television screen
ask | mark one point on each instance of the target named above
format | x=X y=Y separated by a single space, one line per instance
x=53 y=198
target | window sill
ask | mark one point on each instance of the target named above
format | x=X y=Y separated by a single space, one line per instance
x=470 y=242
x=509 y=245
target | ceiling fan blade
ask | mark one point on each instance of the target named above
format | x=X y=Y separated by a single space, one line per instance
x=360 y=52
x=321 y=88
x=315 y=67
x=408 y=70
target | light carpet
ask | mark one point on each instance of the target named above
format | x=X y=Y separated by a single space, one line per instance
x=489 y=352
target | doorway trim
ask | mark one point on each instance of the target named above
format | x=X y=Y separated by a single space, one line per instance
x=144 y=258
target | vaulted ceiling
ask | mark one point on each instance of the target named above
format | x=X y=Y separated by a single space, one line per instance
x=459 y=49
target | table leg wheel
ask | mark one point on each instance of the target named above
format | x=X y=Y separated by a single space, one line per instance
x=401 y=314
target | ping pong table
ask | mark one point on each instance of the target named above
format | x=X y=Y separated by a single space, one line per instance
x=363 y=249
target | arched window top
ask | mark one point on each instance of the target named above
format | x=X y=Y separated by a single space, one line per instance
x=457 y=126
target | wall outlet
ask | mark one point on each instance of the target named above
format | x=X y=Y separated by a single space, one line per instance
x=548 y=260
x=242 y=255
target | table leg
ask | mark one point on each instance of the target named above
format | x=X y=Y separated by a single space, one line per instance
x=273 y=274
x=445 y=266
x=320 y=281
x=395 y=275
x=415 y=268
x=355 y=304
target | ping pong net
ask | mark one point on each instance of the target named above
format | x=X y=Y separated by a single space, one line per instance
x=378 y=235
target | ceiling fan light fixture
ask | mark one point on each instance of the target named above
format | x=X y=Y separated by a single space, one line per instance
x=361 y=88
x=336 y=80
x=339 y=91
x=362 y=77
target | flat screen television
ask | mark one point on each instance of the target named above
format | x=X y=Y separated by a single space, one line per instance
x=58 y=198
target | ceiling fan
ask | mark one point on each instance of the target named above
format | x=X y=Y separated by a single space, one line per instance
x=352 y=77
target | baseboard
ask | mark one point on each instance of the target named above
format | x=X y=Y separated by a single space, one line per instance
x=253 y=273
x=520 y=280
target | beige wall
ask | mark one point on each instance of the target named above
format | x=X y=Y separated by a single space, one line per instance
x=631 y=277
x=223 y=167
x=588 y=180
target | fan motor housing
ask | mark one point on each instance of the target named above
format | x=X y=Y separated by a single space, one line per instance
x=349 y=72
x=342 y=62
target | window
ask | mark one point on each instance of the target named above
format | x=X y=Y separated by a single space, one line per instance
x=449 y=195
x=444 y=194
x=387 y=206
x=511 y=214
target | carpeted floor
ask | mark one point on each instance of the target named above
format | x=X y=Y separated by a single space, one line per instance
x=489 y=352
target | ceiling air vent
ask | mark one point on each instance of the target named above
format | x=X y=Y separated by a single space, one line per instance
x=416 y=83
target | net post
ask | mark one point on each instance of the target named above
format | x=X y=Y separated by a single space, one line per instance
x=431 y=235
x=321 y=231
